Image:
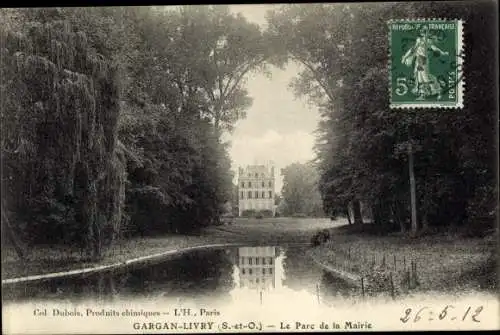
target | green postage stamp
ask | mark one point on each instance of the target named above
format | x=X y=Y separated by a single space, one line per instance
x=426 y=63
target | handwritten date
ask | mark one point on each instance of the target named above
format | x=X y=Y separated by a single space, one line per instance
x=449 y=312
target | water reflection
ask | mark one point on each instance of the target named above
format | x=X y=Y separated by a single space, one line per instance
x=257 y=268
x=221 y=274
x=199 y=273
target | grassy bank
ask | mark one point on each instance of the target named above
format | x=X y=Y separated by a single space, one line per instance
x=277 y=230
x=43 y=259
x=48 y=259
x=442 y=262
x=436 y=262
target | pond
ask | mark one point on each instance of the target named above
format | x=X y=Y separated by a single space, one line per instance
x=203 y=276
x=246 y=288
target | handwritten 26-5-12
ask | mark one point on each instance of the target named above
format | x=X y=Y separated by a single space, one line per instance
x=449 y=312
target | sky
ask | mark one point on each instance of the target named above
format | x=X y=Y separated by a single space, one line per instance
x=279 y=127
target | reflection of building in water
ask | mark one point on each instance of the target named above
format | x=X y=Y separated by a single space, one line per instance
x=257 y=267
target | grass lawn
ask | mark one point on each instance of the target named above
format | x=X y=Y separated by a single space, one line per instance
x=44 y=259
x=277 y=230
x=441 y=262
x=47 y=259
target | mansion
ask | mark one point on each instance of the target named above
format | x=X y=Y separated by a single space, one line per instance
x=256 y=188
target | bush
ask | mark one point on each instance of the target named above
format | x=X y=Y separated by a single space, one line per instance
x=258 y=214
x=267 y=213
x=320 y=237
x=248 y=213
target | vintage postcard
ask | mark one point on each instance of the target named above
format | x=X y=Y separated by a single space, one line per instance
x=250 y=168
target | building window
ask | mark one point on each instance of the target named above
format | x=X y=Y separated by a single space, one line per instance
x=256 y=260
x=257 y=280
x=263 y=271
x=270 y=260
x=249 y=195
x=243 y=271
x=250 y=270
x=263 y=194
x=242 y=195
x=249 y=184
x=270 y=194
x=242 y=184
x=256 y=175
x=270 y=271
x=263 y=184
x=256 y=194
x=270 y=184
x=250 y=262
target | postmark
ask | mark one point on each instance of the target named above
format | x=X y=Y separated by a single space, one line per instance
x=426 y=63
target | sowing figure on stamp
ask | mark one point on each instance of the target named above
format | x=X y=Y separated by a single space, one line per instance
x=426 y=84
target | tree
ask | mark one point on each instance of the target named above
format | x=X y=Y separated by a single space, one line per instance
x=300 y=190
x=202 y=55
x=190 y=68
x=63 y=174
x=317 y=36
x=362 y=144
x=232 y=47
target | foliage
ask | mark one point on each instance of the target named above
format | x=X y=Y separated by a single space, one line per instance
x=63 y=176
x=113 y=116
x=362 y=144
x=254 y=213
x=300 y=190
x=266 y=213
x=172 y=119
x=249 y=213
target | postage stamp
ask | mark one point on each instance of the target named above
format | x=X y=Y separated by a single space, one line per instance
x=426 y=63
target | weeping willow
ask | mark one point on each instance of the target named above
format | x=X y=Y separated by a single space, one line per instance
x=63 y=174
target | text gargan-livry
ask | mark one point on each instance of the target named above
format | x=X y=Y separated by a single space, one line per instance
x=173 y=325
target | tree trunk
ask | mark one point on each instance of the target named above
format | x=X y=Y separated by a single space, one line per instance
x=396 y=212
x=12 y=235
x=347 y=214
x=356 y=207
x=425 y=223
x=380 y=216
x=413 y=197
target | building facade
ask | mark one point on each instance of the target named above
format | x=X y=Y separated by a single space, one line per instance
x=257 y=267
x=256 y=188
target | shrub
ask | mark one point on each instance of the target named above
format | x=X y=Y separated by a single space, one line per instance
x=248 y=213
x=266 y=213
x=320 y=237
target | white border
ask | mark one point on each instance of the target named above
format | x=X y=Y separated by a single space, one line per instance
x=460 y=69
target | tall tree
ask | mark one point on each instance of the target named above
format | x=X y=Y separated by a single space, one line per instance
x=300 y=190
x=362 y=144
x=63 y=175
x=190 y=69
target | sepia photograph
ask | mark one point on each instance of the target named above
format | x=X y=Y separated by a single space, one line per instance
x=250 y=168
